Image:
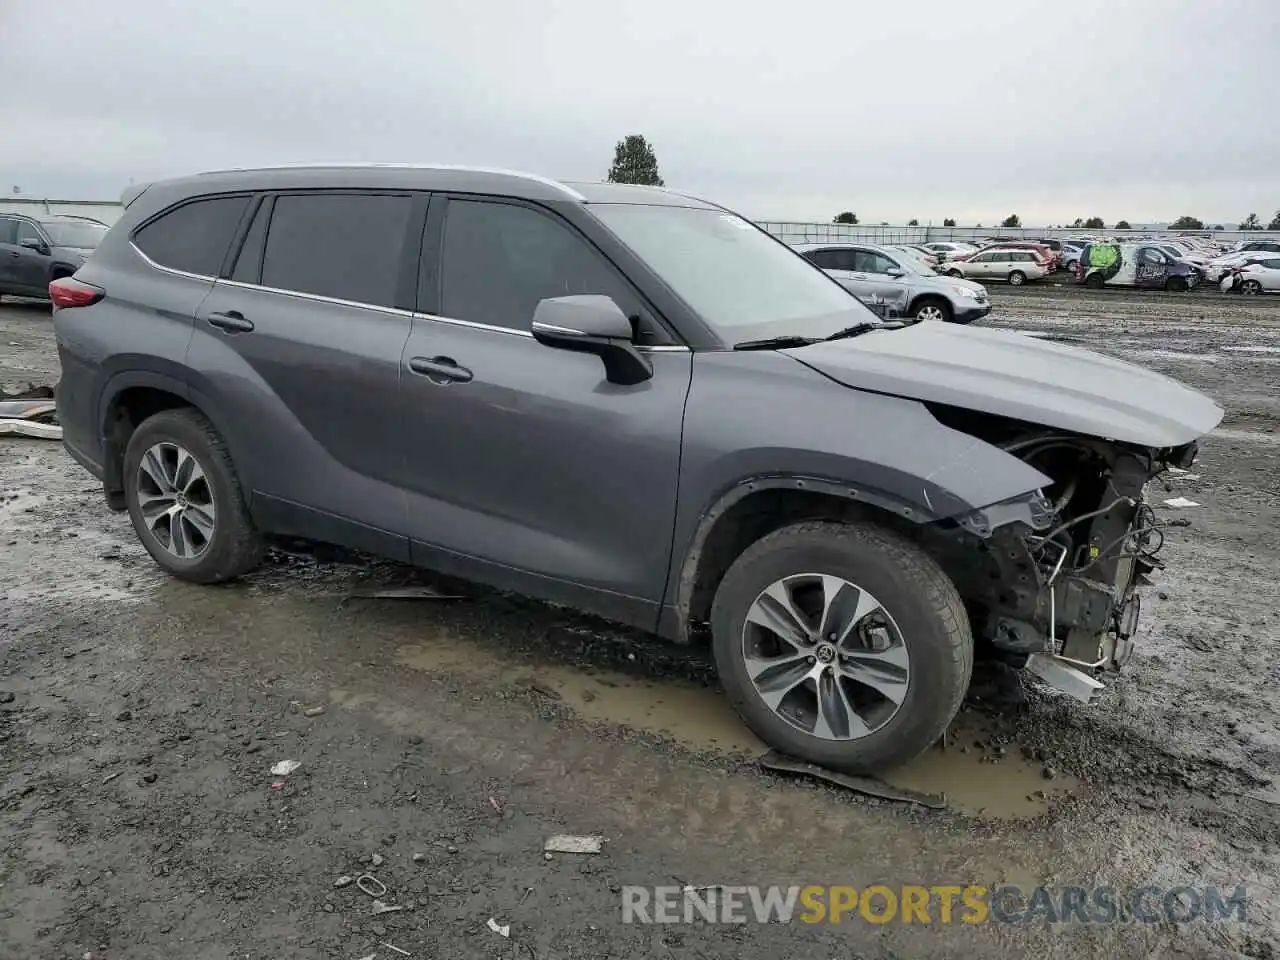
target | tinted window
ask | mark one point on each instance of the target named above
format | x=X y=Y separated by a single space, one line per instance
x=193 y=237
x=28 y=231
x=844 y=260
x=870 y=262
x=826 y=259
x=1271 y=264
x=501 y=259
x=346 y=246
x=8 y=230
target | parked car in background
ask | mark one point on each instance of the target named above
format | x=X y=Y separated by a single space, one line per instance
x=1142 y=265
x=1254 y=278
x=1219 y=267
x=1071 y=250
x=34 y=251
x=946 y=249
x=1016 y=266
x=874 y=275
x=627 y=401
x=914 y=253
x=1248 y=246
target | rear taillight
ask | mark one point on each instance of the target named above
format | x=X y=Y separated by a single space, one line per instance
x=70 y=292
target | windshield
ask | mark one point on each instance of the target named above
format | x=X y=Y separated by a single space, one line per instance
x=737 y=278
x=86 y=236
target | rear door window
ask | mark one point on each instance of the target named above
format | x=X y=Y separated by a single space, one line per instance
x=194 y=237
x=342 y=246
x=8 y=230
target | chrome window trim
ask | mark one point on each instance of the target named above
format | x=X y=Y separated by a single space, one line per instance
x=493 y=328
x=318 y=298
x=173 y=270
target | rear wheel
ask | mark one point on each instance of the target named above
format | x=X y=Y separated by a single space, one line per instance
x=1094 y=281
x=932 y=309
x=185 y=501
x=842 y=644
x=1176 y=285
x=1017 y=278
x=1251 y=288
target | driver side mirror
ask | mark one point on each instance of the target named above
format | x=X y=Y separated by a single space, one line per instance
x=895 y=272
x=590 y=323
x=34 y=243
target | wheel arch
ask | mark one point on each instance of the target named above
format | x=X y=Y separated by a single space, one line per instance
x=131 y=396
x=931 y=297
x=756 y=506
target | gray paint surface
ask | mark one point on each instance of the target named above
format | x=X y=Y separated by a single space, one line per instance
x=537 y=473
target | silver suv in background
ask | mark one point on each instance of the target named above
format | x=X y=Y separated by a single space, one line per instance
x=875 y=275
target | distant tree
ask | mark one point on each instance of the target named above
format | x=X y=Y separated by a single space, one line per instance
x=1011 y=221
x=951 y=223
x=847 y=217
x=1123 y=225
x=634 y=162
x=1275 y=222
x=1251 y=222
x=1095 y=223
x=913 y=222
x=1218 y=226
x=1187 y=223
x=1078 y=223
x=979 y=226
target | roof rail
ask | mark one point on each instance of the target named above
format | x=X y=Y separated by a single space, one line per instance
x=348 y=164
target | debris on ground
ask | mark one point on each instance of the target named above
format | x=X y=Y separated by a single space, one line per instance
x=380 y=907
x=565 y=843
x=313 y=712
x=285 y=767
x=421 y=592
x=32 y=392
x=29 y=417
x=503 y=931
x=403 y=953
x=377 y=860
x=1180 y=502
x=780 y=763
x=366 y=882
x=344 y=881
x=30 y=428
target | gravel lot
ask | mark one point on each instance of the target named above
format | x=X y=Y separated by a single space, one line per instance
x=140 y=718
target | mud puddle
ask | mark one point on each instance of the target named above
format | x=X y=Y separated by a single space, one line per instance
x=979 y=776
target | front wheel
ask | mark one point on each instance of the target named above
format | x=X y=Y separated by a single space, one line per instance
x=938 y=310
x=1175 y=285
x=185 y=501
x=1251 y=288
x=954 y=273
x=1094 y=281
x=842 y=644
x=1017 y=278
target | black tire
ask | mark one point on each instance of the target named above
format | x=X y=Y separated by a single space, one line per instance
x=955 y=273
x=1017 y=278
x=1094 y=281
x=914 y=591
x=944 y=311
x=235 y=546
x=1175 y=285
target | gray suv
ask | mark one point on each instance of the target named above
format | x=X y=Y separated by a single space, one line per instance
x=876 y=275
x=35 y=251
x=625 y=400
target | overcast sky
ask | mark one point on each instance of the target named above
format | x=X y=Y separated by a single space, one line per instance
x=1055 y=109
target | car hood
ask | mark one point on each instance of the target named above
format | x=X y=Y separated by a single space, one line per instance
x=1013 y=375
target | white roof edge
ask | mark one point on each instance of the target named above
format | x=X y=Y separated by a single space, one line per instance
x=356 y=164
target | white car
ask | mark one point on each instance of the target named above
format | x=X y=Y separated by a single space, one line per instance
x=1254 y=278
x=946 y=249
x=1219 y=267
x=1015 y=266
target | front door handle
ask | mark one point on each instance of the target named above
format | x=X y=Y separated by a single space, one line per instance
x=233 y=321
x=441 y=370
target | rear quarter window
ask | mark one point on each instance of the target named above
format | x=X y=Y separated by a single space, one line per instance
x=193 y=237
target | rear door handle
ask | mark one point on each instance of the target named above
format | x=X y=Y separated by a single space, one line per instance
x=441 y=370
x=233 y=321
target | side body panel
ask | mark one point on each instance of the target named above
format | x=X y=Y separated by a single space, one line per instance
x=882 y=450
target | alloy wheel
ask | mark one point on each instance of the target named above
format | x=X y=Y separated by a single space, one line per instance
x=930 y=312
x=825 y=656
x=175 y=500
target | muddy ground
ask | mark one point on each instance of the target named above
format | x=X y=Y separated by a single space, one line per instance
x=140 y=718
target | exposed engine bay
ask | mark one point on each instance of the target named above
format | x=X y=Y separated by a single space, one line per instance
x=1053 y=574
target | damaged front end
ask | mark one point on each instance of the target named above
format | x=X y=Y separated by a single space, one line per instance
x=1050 y=578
